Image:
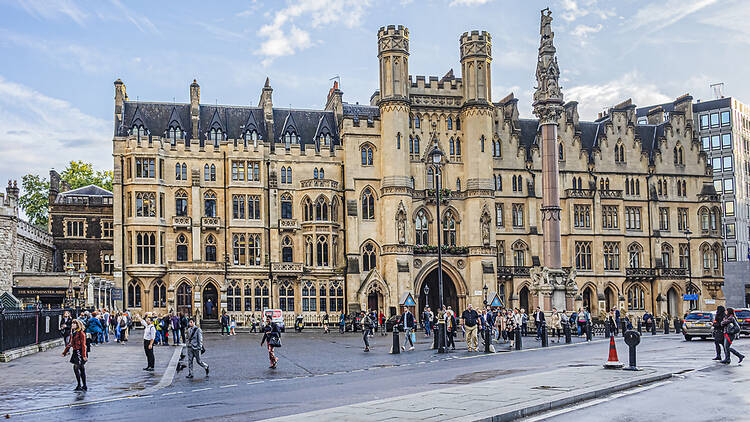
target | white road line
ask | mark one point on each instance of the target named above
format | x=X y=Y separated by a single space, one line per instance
x=201 y=389
x=254 y=382
x=554 y=413
x=228 y=386
x=169 y=373
x=172 y=393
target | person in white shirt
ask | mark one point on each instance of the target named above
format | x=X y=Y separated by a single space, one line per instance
x=149 y=334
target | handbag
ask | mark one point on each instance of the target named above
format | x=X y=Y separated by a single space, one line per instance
x=274 y=340
x=733 y=328
x=413 y=337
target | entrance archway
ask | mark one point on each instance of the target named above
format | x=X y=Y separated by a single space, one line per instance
x=523 y=299
x=432 y=299
x=374 y=301
x=588 y=298
x=609 y=299
x=672 y=302
x=184 y=299
x=210 y=292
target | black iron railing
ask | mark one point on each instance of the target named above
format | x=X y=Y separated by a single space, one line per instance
x=20 y=328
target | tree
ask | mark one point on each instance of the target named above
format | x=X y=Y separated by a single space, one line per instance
x=35 y=199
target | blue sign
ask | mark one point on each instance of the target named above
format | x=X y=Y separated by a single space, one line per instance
x=496 y=301
x=116 y=294
x=409 y=301
x=689 y=297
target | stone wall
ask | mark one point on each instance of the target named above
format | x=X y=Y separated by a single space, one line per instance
x=735 y=278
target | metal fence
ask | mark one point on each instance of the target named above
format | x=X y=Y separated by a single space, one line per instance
x=19 y=328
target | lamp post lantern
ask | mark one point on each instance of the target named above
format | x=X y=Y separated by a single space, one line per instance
x=436 y=156
x=485 y=289
x=689 y=264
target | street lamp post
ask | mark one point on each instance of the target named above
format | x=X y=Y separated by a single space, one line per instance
x=69 y=294
x=437 y=161
x=689 y=263
x=84 y=288
x=485 y=288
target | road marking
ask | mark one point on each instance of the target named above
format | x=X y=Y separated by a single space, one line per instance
x=201 y=389
x=228 y=385
x=169 y=373
x=172 y=393
x=254 y=382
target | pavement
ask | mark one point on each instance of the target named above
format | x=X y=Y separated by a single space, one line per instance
x=323 y=373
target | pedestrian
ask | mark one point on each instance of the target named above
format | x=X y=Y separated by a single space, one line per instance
x=65 y=327
x=731 y=330
x=224 y=322
x=253 y=324
x=383 y=327
x=175 y=322
x=79 y=356
x=426 y=321
x=617 y=320
x=510 y=326
x=647 y=319
x=366 y=329
x=125 y=327
x=325 y=323
x=166 y=322
x=342 y=323
x=209 y=308
x=556 y=324
x=524 y=322
x=195 y=349
x=272 y=338
x=407 y=323
x=718 y=331
x=93 y=330
x=539 y=322
x=105 y=321
x=470 y=319
x=581 y=322
x=149 y=335
x=232 y=326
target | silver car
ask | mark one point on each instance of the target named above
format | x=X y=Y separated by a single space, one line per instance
x=698 y=324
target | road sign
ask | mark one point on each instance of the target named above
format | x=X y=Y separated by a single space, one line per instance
x=689 y=297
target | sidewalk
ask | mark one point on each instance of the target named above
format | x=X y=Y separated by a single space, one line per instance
x=500 y=400
x=46 y=379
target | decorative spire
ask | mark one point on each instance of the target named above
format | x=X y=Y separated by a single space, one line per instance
x=548 y=98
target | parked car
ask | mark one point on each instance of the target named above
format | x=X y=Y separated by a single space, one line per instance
x=743 y=317
x=277 y=317
x=697 y=324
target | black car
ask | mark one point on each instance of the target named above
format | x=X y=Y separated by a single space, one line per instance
x=743 y=317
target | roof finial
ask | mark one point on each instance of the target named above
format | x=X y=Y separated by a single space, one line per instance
x=268 y=83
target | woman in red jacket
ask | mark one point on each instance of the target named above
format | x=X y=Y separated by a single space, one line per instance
x=79 y=357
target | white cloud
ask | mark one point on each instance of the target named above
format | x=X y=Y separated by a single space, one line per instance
x=659 y=15
x=734 y=18
x=141 y=22
x=592 y=99
x=576 y=9
x=42 y=132
x=469 y=2
x=54 y=9
x=64 y=54
x=285 y=36
x=582 y=32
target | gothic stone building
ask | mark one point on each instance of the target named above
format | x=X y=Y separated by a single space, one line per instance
x=324 y=211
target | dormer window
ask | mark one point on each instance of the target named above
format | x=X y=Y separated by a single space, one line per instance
x=215 y=135
x=251 y=136
x=173 y=134
x=139 y=131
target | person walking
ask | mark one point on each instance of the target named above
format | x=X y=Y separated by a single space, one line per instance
x=183 y=326
x=325 y=323
x=383 y=328
x=194 y=347
x=366 y=329
x=731 y=330
x=426 y=321
x=407 y=323
x=79 y=356
x=105 y=325
x=450 y=328
x=718 y=331
x=224 y=323
x=65 y=327
x=470 y=319
x=149 y=335
x=253 y=324
x=232 y=326
x=342 y=323
x=581 y=322
x=511 y=325
x=539 y=322
x=125 y=327
x=272 y=338
x=93 y=329
x=175 y=322
x=556 y=319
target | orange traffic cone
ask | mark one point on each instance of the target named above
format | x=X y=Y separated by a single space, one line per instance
x=613 y=362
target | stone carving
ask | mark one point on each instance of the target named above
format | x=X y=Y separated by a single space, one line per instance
x=417 y=263
x=484 y=222
x=548 y=97
x=401 y=223
x=461 y=264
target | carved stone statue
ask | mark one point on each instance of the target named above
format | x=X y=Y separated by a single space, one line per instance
x=401 y=223
x=545 y=28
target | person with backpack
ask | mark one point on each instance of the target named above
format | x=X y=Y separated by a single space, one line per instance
x=93 y=329
x=224 y=323
x=272 y=337
x=367 y=328
x=718 y=331
x=194 y=347
x=731 y=330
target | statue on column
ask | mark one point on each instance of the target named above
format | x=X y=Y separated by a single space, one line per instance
x=401 y=223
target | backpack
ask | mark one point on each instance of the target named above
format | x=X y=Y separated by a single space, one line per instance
x=733 y=328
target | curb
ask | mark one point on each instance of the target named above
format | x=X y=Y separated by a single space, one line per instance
x=567 y=401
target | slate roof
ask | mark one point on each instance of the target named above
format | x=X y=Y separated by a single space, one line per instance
x=697 y=106
x=233 y=120
x=90 y=190
x=361 y=111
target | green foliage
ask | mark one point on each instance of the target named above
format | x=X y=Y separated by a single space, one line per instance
x=78 y=174
x=34 y=199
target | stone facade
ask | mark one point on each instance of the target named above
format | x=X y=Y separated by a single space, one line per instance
x=23 y=247
x=334 y=210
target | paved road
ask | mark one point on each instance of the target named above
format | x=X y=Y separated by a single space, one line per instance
x=318 y=372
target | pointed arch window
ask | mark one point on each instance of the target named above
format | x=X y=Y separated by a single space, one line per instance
x=458 y=147
x=209 y=202
x=215 y=135
x=173 y=134
x=452 y=144
x=134 y=294
x=458 y=184
x=422 y=229
x=519 y=254
x=321 y=250
x=679 y=156
x=619 y=153
x=481 y=143
x=449 y=123
x=368 y=204
x=160 y=294
x=416 y=145
x=398 y=140
x=560 y=152
x=287 y=249
x=458 y=123
x=238 y=249
x=210 y=248
x=182 y=247
x=635 y=252
x=286 y=206
x=181 y=203
x=416 y=122
x=449 y=229
x=666 y=255
x=636 y=298
x=308 y=251
x=368 y=257
x=139 y=131
x=307 y=208
x=251 y=136
x=367 y=156
x=321 y=209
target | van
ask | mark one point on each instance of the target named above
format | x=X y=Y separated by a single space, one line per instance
x=276 y=316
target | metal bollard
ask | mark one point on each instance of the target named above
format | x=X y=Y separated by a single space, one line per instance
x=666 y=325
x=566 y=329
x=545 y=338
x=396 y=346
x=653 y=326
x=677 y=327
x=518 y=338
x=435 y=340
x=640 y=326
x=607 y=331
x=589 y=334
x=487 y=340
x=623 y=326
x=632 y=339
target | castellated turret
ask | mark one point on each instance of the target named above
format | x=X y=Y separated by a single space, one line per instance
x=393 y=54
x=476 y=56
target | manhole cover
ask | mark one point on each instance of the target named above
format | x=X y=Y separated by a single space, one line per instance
x=480 y=376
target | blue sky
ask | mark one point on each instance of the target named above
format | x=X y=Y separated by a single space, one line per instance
x=60 y=57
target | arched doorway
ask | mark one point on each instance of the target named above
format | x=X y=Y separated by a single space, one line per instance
x=432 y=298
x=672 y=302
x=588 y=298
x=609 y=299
x=210 y=292
x=374 y=301
x=523 y=299
x=184 y=299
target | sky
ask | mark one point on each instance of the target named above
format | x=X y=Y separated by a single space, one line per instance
x=61 y=57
